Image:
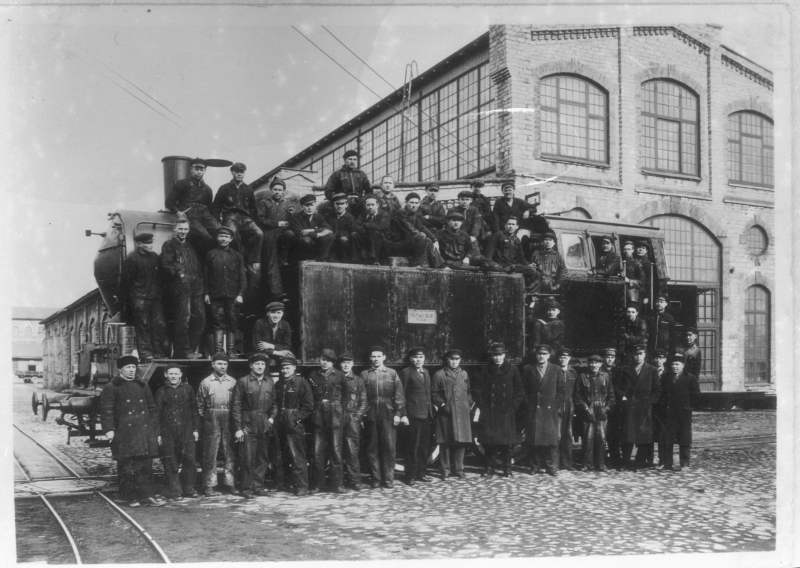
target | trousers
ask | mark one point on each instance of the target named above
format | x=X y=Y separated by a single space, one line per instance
x=544 y=457
x=529 y=274
x=254 y=456
x=180 y=464
x=328 y=444
x=565 y=443
x=351 y=464
x=216 y=437
x=342 y=248
x=244 y=227
x=225 y=314
x=593 y=444
x=291 y=451
x=313 y=248
x=381 y=440
x=274 y=252
x=202 y=229
x=418 y=435
x=458 y=451
x=368 y=245
x=148 y=317
x=666 y=455
x=503 y=451
x=135 y=478
x=415 y=247
x=188 y=321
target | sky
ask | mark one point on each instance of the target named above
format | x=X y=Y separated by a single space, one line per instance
x=96 y=96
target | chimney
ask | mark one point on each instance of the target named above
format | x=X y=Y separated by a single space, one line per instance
x=175 y=168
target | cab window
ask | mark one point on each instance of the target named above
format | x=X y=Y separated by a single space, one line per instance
x=573 y=248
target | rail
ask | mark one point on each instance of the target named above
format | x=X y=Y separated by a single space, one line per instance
x=64 y=528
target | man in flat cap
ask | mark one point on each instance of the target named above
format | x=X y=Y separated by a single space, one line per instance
x=432 y=211
x=416 y=383
x=549 y=330
x=458 y=250
x=452 y=398
x=410 y=237
x=328 y=385
x=650 y=285
x=642 y=391
x=313 y=236
x=634 y=329
x=510 y=206
x=235 y=204
x=355 y=407
x=387 y=200
x=618 y=416
x=483 y=205
x=140 y=282
x=226 y=283
x=633 y=272
x=545 y=389
x=185 y=286
x=129 y=420
x=179 y=427
x=272 y=334
x=213 y=406
x=254 y=409
x=608 y=261
x=498 y=392
x=661 y=326
x=473 y=222
x=679 y=392
x=504 y=254
x=342 y=223
x=550 y=264
x=273 y=215
x=192 y=197
x=659 y=360
x=564 y=356
x=370 y=231
x=351 y=181
x=295 y=403
x=594 y=400
x=691 y=352
x=385 y=410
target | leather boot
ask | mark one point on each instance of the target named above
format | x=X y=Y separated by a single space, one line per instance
x=219 y=338
x=230 y=340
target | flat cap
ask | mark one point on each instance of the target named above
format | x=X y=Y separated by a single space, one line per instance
x=238 y=167
x=377 y=348
x=146 y=238
x=609 y=352
x=346 y=357
x=287 y=360
x=551 y=303
x=171 y=366
x=220 y=356
x=225 y=230
x=412 y=195
x=350 y=153
x=277 y=181
x=477 y=183
x=455 y=215
x=198 y=162
x=606 y=240
x=432 y=187
x=639 y=347
x=329 y=354
x=594 y=358
x=497 y=348
x=549 y=234
x=633 y=304
x=508 y=184
x=306 y=199
x=339 y=197
x=543 y=348
x=258 y=357
x=677 y=357
x=466 y=194
x=660 y=353
x=126 y=360
x=451 y=352
x=275 y=306
x=626 y=243
x=662 y=297
x=564 y=352
x=690 y=329
x=639 y=244
x=416 y=351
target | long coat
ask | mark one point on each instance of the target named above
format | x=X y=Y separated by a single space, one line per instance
x=674 y=409
x=642 y=391
x=129 y=409
x=177 y=414
x=545 y=396
x=452 y=396
x=499 y=393
x=417 y=390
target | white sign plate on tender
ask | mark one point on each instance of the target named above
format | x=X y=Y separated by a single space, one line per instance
x=422 y=316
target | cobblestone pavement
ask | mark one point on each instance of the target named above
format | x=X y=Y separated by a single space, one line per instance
x=725 y=502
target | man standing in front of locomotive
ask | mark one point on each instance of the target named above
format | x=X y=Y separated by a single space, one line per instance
x=691 y=352
x=140 y=282
x=451 y=396
x=236 y=205
x=327 y=384
x=213 y=405
x=185 y=288
x=355 y=407
x=419 y=409
x=642 y=391
x=129 y=420
x=226 y=282
x=565 y=438
x=617 y=416
x=594 y=399
x=295 y=403
x=193 y=197
x=386 y=409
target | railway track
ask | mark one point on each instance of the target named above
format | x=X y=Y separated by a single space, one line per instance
x=91 y=512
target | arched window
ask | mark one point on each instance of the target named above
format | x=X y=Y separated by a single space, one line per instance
x=756 y=334
x=750 y=149
x=670 y=140
x=574 y=119
x=90 y=330
x=757 y=241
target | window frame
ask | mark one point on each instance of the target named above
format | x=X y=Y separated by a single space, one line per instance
x=729 y=162
x=767 y=335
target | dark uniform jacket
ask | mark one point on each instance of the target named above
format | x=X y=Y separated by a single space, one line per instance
x=388 y=203
x=571 y=377
x=694 y=359
x=129 y=409
x=552 y=268
x=342 y=225
x=545 y=403
x=355 y=404
x=608 y=264
x=452 y=397
x=406 y=223
x=551 y=333
x=385 y=396
x=455 y=245
x=498 y=393
x=642 y=391
x=270 y=212
x=647 y=266
x=505 y=250
x=232 y=199
x=378 y=222
x=502 y=211
x=417 y=390
x=473 y=222
x=294 y=398
x=181 y=265
x=484 y=205
x=435 y=210
x=225 y=273
x=661 y=331
x=188 y=193
x=329 y=390
x=635 y=273
x=674 y=409
x=177 y=414
x=349 y=182
x=253 y=404
x=281 y=338
x=141 y=276
x=634 y=332
x=301 y=221
x=593 y=396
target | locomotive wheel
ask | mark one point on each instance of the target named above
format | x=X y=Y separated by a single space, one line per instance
x=35 y=403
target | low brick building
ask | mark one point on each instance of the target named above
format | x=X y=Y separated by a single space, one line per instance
x=26 y=340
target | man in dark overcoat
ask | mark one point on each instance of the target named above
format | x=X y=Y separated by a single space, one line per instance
x=129 y=419
x=642 y=391
x=659 y=357
x=452 y=398
x=565 y=439
x=498 y=393
x=354 y=401
x=618 y=416
x=679 y=392
x=179 y=425
x=327 y=384
x=594 y=400
x=545 y=390
x=419 y=408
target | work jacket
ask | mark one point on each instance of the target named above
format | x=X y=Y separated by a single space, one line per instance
x=502 y=210
x=545 y=395
x=341 y=225
x=661 y=331
x=549 y=332
x=552 y=268
x=452 y=397
x=634 y=332
x=473 y=222
x=189 y=193
x=379 y=222
x=385 y=396
x=608 y=265
x=498 y=393
x=225 y=273
x=181 y=266
x=593 y=396
x=454 y=246
x=328 y=390
x=302 y=221
x=694 y=359
x=295 y=399
x=435 y=211
x=281 y=337
x=388 y=203
x=253 y=404
x=406 y=223
x=417 y=391
x=129 y=410
x=231 y=198
x=177 y=414
x=355 y=404
x=634 y=273
x=673 y=413
x=214 y=393
x=484 y=205
x=505 y=250
x=270 y=212
x=349 y=182
x=141 y=276
x=642 y=391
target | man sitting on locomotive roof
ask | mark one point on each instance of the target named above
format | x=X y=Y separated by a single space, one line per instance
x=550 y=265
x=458 y=250
x=432 y=211
x=273 y=215
x=473 y=222
x=313 y=236
x=416 y=383
x=328 y=386
x=272 y=335
x=634 y=329
x=691 y=352
x=253 y=410
x=452 y=397
x=213 y=405
x=341 y=223
x=549 y=331
x=510 y=206
x=483 y=205
x=564 y=357
x=226 y=282
x=370 y=231
x=545 y=388
x=351 y=181
x=179 y=431
x=140 y=282
x=608 y=262
x=661 y=326
x=410 y=237
x=354 y=401
x=387 y=200
x=385 y=410
x=594 y=401
x=185 y=289
x=129 y=420
x=236 y=205
x=192 y=196
x=504 y=254
x=633 y=272
x=295 y=403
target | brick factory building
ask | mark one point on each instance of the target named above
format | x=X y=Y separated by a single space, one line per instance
x=662 y=126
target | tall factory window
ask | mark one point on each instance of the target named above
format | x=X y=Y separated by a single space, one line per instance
x=750 y=149
x=670 y=138
x=756 y=333
x=574 y=121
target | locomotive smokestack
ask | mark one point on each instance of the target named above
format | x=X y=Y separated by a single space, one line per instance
x=175 y=168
